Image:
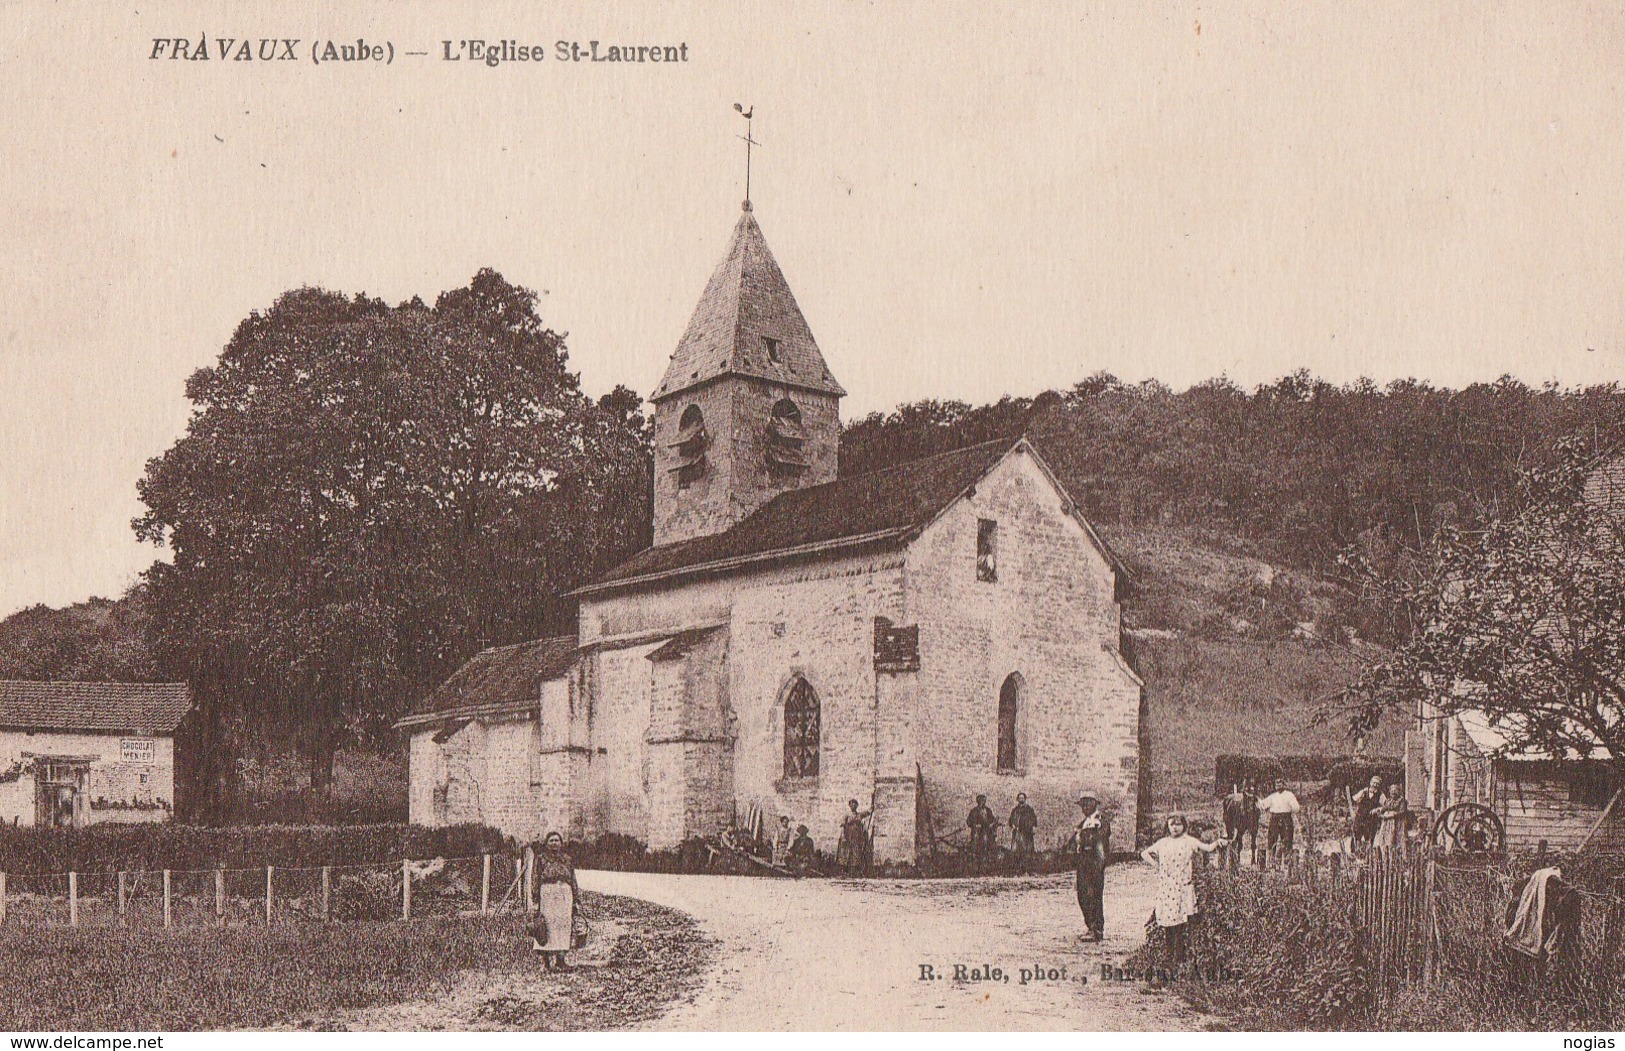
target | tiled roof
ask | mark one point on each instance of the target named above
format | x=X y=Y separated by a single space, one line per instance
x=747 y=300
x=503 y=678
x=94 y=707
x=878 y=506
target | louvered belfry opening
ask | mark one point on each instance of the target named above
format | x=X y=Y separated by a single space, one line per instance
x=689 y=446
x=786 y=439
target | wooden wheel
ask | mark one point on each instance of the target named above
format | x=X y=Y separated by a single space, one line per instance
x=1469 y=828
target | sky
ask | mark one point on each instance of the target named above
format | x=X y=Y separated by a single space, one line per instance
x=968 y=201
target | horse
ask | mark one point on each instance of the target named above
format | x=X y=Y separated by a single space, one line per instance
x=1241 y=818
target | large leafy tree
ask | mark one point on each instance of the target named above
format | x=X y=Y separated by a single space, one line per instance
x=367 y=495
x=1522 y=619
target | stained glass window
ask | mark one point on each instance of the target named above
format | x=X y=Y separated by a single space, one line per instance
x=801 y=730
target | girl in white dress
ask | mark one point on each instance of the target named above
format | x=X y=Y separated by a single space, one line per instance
x=1174 y=857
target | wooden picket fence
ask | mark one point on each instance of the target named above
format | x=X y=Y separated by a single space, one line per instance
x=1427 y=919
x=1393 y=902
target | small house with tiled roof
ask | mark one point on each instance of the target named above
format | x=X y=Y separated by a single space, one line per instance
x=82 y=753
x=794 y=640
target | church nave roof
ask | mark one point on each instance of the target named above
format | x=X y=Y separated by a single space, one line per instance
x=878 y=507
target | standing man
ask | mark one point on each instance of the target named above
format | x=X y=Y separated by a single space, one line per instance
x=1280 y=808
x=982 y=824
x=1093 y=836
x=1023 y=826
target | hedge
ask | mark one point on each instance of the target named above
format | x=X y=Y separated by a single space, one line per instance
x=152 y=846
x=1340 y=770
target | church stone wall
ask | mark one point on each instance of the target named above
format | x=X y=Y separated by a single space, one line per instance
x=753 y=483
x=561 y=760
x=1051 y=617
x=816 y=620
x=690 y=742
x=617 y=779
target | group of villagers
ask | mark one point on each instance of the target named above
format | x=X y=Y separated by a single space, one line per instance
x=559 y=923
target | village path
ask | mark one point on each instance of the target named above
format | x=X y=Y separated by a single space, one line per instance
x=846 y=954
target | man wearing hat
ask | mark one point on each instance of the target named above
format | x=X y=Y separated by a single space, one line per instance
x=1094 y=843
x=800 y=856
x=983 y=827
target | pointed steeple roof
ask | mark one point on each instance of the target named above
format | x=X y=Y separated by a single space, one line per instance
x=746 y=319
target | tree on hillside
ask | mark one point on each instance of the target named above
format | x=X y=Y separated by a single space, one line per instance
x=367 y=495
x=1299 y=468
x=98 y=640
x=1522 y=620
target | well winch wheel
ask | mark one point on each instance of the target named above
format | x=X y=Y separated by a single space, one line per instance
x=1470 y=828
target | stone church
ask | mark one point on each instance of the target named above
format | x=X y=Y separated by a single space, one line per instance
x=793 y=639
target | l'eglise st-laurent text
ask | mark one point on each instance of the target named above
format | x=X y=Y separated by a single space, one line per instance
x=497 y=52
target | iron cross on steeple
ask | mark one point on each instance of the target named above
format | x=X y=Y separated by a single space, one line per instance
x=749 y=142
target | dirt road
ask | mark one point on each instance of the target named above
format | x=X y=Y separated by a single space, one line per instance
x=823 y=954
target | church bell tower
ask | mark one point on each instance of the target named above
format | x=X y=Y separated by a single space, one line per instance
x=747 y=408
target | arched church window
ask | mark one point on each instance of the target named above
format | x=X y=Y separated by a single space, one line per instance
x=802 y=726
x=688 y=447
x=1009 y=722
x=786 y=439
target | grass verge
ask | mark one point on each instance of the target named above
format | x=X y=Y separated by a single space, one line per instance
x=310 y=976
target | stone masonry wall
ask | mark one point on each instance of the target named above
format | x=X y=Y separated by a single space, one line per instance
x=561 y=762
x=753 y=483
x=616 y=797
x=426 y=771
x=483 y=773
x=736 y=479
x=702 y=507
x=1051 y=618
x=816 y=620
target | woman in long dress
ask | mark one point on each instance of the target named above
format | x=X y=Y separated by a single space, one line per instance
x=556 y=896
x=1174 y=857
x=852 y=852
x=1395 y=815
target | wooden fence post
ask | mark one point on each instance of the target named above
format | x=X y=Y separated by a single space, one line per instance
x=406 y=889
x=73 y=899
x=1430 y=933
x=270 y=897
x=1613 y=931
x=529 y=869
x=220 y=896
x=485 y=884
x=122 y=896
x=327 y=892
x=167 y=917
